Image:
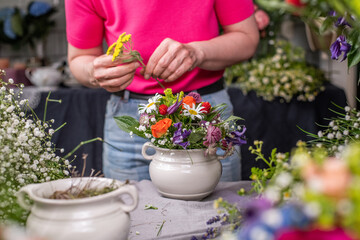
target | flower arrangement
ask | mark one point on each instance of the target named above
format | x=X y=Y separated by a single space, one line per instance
x=27 y=154
x=285 y=75
x=184 y=121
x=18 y=27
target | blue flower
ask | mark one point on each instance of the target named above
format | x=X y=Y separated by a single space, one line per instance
x=8 y=31
x=37 y=9
x=340 y=46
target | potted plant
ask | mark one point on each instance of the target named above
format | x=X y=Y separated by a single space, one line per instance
x=186 y=133
x=78 y=208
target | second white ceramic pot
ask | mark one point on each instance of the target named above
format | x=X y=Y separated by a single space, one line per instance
x=100 y=217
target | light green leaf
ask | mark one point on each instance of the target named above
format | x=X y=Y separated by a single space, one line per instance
x=196 y=136
x=128 y=124
x=353 y=57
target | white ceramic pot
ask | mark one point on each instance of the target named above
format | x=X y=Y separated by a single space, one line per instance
x=183 y=174
x=93 y=218
x=44 y=76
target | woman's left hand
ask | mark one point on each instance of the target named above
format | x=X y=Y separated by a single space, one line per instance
x=171 y=59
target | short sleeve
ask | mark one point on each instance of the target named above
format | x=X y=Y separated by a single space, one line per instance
x=233 y=11
x=84 y=27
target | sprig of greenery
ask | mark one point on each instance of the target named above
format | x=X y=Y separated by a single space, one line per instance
x=275 y=163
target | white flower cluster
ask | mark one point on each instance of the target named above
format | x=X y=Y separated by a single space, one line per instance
x=284 y=75
x=341 y=131
x=27 y=154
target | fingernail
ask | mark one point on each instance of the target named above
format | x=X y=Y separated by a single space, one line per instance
x=147 y=76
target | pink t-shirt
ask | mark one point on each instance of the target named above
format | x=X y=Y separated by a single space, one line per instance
x=149 y=22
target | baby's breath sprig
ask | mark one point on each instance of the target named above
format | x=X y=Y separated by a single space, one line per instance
x=342 y=130
x=27 y=154
x=123 y=49
x=284 y=75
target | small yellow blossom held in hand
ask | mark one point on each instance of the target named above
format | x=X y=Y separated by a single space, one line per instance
x=123 y=47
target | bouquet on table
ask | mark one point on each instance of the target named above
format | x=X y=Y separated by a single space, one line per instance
x=184 y=121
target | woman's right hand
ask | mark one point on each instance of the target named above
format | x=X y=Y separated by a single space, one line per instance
x=92 y=68
x=112 y=76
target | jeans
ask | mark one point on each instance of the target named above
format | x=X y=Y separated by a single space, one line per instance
x=129 y=162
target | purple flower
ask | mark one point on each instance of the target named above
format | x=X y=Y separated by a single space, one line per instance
x=238 y=137
x=213 y=135
x=338 y=47
x=196 y=96
x=180 y=135
x=255 y=207
x=340 y=21
x=173 y=108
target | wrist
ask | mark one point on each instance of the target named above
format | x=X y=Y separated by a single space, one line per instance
x=198 y=52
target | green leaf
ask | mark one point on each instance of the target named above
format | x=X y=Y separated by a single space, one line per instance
x=353 y=57
x=196 y=136
x=327 y=24
x=128 y=124
x=233 y=118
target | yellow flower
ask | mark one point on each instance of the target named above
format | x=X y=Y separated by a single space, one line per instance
x=111 y=48
x=116 y=49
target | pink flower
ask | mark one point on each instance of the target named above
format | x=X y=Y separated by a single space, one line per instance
x=196 y=96
x=213 y=135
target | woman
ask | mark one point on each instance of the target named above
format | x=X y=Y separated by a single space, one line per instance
x=180 y=43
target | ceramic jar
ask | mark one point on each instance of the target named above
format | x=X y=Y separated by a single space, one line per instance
x=100 y=217
x=44 y=76
x=183 y=174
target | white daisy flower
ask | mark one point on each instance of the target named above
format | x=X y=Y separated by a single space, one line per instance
x=194 y=112
x=151 y=105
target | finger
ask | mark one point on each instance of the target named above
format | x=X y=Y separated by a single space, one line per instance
x=117 y=84
x=118 y=88
x=103 y=61
x=155 y=57
x=173 y=66
x=184 y=67
x=115 y=72
x=166 y=60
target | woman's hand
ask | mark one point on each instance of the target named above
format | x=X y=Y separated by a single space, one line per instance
x=113 y=76
x=171 y=59
x=92 y=68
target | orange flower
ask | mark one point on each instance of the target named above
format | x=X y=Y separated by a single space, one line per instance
x=160 y=128
x=189 y=100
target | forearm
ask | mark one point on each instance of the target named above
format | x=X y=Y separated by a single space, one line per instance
x=227 y=49
x=81 y=64
x=81 y=68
